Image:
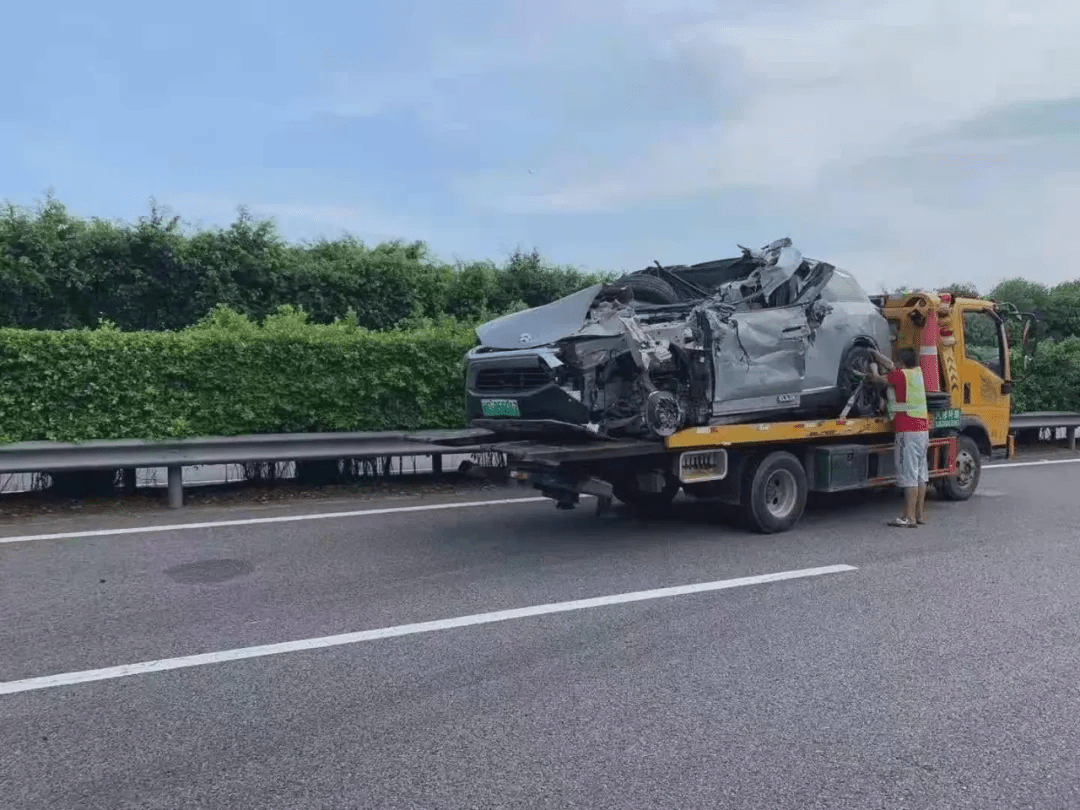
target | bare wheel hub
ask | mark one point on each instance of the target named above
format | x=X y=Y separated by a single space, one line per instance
x=663 y=414
x=965 y=468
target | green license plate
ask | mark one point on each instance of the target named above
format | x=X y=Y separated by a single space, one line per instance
x=947 y=419
x=500 y=407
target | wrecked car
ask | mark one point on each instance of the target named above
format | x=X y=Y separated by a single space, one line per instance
x=766 y=335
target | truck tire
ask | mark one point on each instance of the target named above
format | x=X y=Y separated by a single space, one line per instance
x=774 y=493
x=962 y=485
x=627 y=491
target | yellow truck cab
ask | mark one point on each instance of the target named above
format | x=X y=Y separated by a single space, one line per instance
x=974 y=359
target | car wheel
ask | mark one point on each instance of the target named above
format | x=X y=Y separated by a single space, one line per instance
x=962 y=484
x=649 y=289
x=774 y=493
x=857 y=362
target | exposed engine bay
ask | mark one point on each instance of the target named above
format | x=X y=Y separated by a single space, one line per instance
x=767 y=333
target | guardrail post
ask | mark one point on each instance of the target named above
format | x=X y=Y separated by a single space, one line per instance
x=436 y=463
x=1072 y=437
x=176 y=486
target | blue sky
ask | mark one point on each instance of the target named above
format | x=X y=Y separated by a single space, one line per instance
x=910 y=141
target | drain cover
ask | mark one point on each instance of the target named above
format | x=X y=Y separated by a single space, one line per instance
x=206 y=572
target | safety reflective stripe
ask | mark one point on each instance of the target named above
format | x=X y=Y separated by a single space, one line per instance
x=915 y=402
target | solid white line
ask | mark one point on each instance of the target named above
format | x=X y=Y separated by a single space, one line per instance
x=213 y=524
x=1031 y=463
x=109 y=673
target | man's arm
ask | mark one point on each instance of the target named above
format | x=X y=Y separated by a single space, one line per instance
x=873 y=376
x=883 y=361
x=876 y=377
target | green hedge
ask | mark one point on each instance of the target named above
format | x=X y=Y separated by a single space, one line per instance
x=1053 y=379
x=228 y=376
x=60 y=271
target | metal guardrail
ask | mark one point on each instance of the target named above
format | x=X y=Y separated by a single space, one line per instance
x=175 y=454
x=1045 y=419
x=1048 y=419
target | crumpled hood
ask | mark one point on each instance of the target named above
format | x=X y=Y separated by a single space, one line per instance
x=541 y=325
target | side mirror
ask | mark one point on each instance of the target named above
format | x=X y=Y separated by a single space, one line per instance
x=1028 y=337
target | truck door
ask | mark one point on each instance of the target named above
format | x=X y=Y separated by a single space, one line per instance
x=983 y=367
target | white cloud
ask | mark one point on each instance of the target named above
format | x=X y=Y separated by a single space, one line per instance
x=836 y=86
x=849 y=122
x=845 y=124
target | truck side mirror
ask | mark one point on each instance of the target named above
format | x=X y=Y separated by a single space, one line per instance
x=1027 y=337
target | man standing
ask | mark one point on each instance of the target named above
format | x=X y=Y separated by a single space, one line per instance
x=911 y=423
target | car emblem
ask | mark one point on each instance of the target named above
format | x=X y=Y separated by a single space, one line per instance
x=525 y=338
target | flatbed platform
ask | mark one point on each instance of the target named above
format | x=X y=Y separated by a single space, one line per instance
x=804 y=430
x=767 y=432
x=707 y=436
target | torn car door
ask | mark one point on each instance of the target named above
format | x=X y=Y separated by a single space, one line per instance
x=759 y=357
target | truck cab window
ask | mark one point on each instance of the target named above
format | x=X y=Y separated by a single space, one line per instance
x=982 y=341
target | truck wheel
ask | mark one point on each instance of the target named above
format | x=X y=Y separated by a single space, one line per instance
x=962 y=485
x=774 y=493
x=633 y=496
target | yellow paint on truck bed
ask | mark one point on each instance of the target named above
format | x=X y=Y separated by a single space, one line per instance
x=768 y=432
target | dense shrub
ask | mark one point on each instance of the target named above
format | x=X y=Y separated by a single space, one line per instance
x=58 y=271
x=229 y=376
x=320 y=336
x=1053 y=379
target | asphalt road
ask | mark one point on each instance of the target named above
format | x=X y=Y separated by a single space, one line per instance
x=941 y=673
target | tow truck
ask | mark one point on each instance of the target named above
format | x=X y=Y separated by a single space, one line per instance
x=766 y=470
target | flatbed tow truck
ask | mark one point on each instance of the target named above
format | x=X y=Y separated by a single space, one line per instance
x=767 y=469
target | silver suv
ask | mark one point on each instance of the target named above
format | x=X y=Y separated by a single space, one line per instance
x=765 y=335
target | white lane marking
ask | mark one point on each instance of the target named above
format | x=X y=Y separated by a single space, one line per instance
x=213 y=524
x=161 y=665
x=1031 y=463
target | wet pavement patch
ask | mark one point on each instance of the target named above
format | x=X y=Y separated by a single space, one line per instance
x=208 y=572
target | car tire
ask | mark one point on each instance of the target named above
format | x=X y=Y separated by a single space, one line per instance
x=774 y=493
x=868 y=402
x=962 y=485
x=649 y=289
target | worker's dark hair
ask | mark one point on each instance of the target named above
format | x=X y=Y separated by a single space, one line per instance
x=908 y=358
